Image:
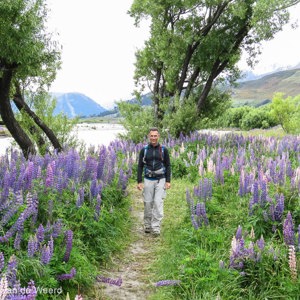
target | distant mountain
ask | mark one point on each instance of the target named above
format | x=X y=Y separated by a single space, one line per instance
x=76 y=104
x=250 y=75
x=260 y=91
x=145 y=100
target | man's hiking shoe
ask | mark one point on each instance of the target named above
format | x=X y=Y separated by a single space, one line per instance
x=147 y=230
x=156 y=233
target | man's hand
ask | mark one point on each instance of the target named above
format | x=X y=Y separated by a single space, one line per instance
x=140 y=186
x=167 y=185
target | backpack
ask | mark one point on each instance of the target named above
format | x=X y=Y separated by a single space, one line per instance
x=161 y=150
x=158 y=173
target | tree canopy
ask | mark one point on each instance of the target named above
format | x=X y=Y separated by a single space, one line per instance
x=195 y=45
x=29 y=58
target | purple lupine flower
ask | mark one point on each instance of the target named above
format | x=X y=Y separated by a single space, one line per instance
x=32 y=205
x=57 y=228
x=13 y=209
x=51 y=245
x=1 y=261
x=49 y=176
x=263 y=196
x=282 y=170
x=204 y=189
x=59 y=182
x=11 y=271
x=299 y=237
x=200 y=216
x=255 y=192
x=45 y=255
x=32 y=246
x=194 y=222
x=237 y=253
x=40 y=233
x=48 y=229
x=67 y=276
x=250 y=251
x=167 y=282
x=289 y=169
x=279 y=207
x=261 y=243
x=109 y=280
x=242 y=191
x=23 y=293
x=80 y=197
x=238 y=234
x=198 y=209
x=29 y=172
x=69 y=244
x=219 y=176
x=101 y=162
x=90 y=169
x=31 y=290
x=123 y=180
x=272 y=212
x=39 y=172
x=71 y=160
x=18 y=239
x=18 y=225
x=288 y=230
x=93 y=188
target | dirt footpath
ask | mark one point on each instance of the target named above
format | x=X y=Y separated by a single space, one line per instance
x=132 y=271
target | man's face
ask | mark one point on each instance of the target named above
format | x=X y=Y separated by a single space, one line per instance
x=153 y=137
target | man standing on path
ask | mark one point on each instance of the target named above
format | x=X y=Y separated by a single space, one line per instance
x=154 y=162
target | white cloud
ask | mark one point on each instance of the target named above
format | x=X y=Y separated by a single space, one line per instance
x=283 y=50
x=99 y=40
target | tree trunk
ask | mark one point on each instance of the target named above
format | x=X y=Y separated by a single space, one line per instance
x=158 y=115
x=21 y=104
x=8 y=117
x=219 y=66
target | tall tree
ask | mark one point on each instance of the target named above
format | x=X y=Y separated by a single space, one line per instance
x=27 y=54
x=194 y=43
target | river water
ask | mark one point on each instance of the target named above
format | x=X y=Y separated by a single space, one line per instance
x=93 y=134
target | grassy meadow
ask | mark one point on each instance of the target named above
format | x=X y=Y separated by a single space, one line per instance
x=230 y=231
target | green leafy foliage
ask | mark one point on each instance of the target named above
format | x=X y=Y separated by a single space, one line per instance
x=194 y=46
x=287 y=112
x=63 y=127
x=247 y=117
x=137 y=120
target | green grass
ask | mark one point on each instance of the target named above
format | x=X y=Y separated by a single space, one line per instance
x=276 y=132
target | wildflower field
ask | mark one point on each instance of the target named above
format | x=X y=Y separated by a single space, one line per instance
x=61 y=217
x=239 y=235
x=234 y=234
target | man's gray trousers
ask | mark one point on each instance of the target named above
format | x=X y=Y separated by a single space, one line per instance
x=154 y=194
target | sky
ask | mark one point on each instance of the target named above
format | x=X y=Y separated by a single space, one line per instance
x=99 y=41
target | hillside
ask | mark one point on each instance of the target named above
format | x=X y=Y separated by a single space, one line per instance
x=76 y=104
x=260 y=91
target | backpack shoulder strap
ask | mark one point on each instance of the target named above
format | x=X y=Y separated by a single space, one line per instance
x=145 y=153
x=162 y=148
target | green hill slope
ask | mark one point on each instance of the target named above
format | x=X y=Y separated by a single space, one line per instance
x=260 y=91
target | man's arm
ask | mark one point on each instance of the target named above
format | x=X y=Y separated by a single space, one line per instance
x=167 y=163
x=140 y=168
